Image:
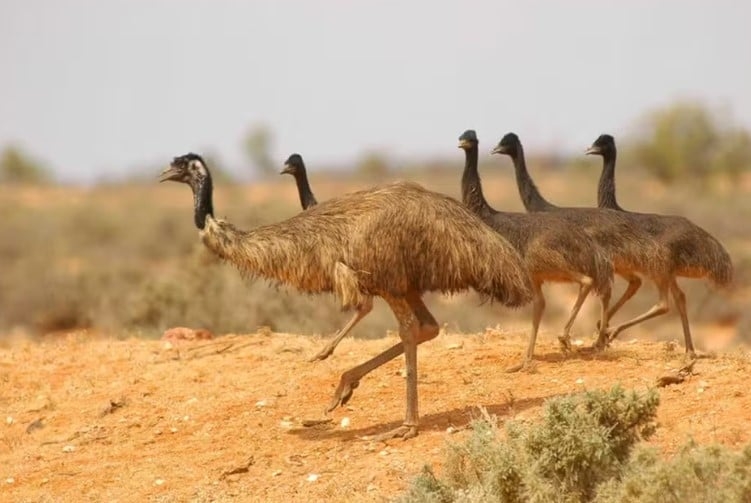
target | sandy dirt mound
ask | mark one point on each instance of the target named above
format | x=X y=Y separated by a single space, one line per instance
x=92 y=419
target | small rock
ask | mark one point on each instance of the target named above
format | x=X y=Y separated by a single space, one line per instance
x=371 y=488
x=577 y=342
x=455 y=345
x=159 y=482
x=285 y=424
x=580 y=381
x=45 y=480
x=173 y=430
x=10 y=480
x=312 y=477
x=345 y=422
x=261 y=403
x=276 y=473
x=192 y=400
x=8 y=420
x=186 y=418
x=383 y=453
x=703 y=384
x=69 y=448
x=450 y=430
x=186 y=334
x=167 y=346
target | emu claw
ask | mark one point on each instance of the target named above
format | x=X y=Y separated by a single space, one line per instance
x=342 y=394
x=404 y=432
x=565 y=343
x=322 y=354
x=517 y=367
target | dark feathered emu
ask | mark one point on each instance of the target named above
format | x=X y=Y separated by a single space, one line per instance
x=694 y=253
x=395 y=241
x=634 y=251
x=553 y=249
x=295 y=166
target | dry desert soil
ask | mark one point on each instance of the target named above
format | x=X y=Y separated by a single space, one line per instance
x=91 y=418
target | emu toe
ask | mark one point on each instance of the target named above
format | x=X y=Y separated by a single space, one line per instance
x=342 y=394
x=327 y=351
x=405 y=431
x=519 y=366
x=565 y=343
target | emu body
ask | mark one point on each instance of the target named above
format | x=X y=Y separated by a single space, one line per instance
x=295 y=166
x=351 y=246
x=553 y=249
x=693 y=252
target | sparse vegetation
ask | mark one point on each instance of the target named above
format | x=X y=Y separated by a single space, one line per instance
x=17 y=167
x=586 y=448
x=687 y=140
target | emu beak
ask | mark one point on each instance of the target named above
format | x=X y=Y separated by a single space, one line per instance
x=169 y=174
x=498 y=150
x=463 y=143
x=592 y=150
x=287 y=170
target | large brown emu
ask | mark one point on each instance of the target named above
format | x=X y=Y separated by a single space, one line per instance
x=694 y=253
x=395 y=241
x=633 y=250
x=295 y=166
x=553 y=249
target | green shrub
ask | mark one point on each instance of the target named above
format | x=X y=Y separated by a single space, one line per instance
x=582 y=441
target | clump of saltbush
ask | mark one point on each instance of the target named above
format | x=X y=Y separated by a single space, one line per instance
x=584 y=449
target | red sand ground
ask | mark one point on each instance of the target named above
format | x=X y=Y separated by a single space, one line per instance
x=92 y=419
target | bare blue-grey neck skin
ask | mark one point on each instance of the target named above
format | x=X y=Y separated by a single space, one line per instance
x=191 y=169
x=472 y=195
x=528 y=192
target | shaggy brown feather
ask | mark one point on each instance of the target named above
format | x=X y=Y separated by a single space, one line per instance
x=694 y=253
x=395 y=241
x=553 y=249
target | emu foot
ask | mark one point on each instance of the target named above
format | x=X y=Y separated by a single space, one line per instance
x=342 y=394
x=404 y=432
x=327 y=351
x=524 y=365
x=565 y=343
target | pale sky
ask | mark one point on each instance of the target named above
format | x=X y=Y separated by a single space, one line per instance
x=98 y=87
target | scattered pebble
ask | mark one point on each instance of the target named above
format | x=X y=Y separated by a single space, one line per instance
x=285 y=424
x=69 y=448
x=383 y=453
x=8 y=420
x=577 y=342
x=261 y=403
x=703 y=384
x=455 y=345
x=580 y=381
x=173 y=430
x=276 y=473
x=345 y=422
x=186 y=418
x=159 y=482
x=192 y=400
x=312 y=477
x=167 y=346
x=450 y=430
x=10 y=480
x=186 y=334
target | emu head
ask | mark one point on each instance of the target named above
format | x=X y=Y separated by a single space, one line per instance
x=293 y=165
x=603 y=145
x=188 y=168
x=468 y=139
x=509 y=145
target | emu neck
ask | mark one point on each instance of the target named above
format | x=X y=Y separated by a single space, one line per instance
x=307 y=199
x=202 y=201
x=530 y=195
x=606 y=187
x=471 y=186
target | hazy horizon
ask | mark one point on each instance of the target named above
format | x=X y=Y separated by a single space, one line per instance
x=97 y=88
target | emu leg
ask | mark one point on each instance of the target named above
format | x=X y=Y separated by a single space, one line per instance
x=602 y=327
x=538 y=307
x=362 y=311
x=634 y=283
x=350 y=379
x=680 y=304
x=657 y=310
x=585 y=286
